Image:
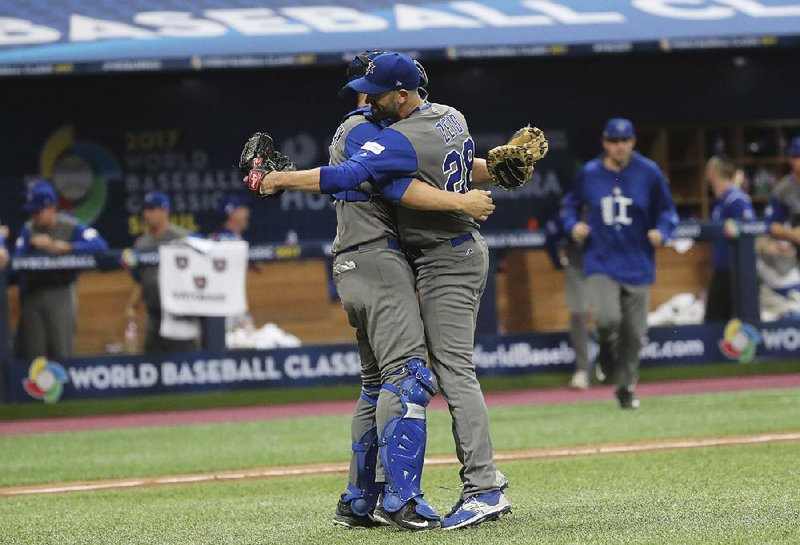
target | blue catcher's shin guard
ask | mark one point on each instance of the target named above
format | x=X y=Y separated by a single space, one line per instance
x=364 y=494
x=403 y=441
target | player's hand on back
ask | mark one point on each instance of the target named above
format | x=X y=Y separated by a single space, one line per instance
x=478 y=204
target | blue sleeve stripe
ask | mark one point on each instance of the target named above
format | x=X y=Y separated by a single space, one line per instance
x=394 y=191
x=341 y=177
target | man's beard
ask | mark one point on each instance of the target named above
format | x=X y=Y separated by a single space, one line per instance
x=379 y=112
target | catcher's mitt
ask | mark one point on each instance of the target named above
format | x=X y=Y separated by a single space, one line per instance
x=510 y=167
x=531 y=138
x=258 y=158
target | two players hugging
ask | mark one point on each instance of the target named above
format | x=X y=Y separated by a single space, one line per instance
x=510 y=166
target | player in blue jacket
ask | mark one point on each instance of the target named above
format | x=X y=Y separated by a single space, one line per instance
x=47 y=325
x=629 y=212
x=731 y=204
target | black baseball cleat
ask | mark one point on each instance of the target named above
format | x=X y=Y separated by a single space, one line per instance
x=344 y=516
x=405 y=518
x=627 y=399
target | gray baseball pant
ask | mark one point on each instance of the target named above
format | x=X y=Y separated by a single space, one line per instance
x=376 y=287
x=48 y=322
x=450 y=282
x=578 y=303
x=620 y=314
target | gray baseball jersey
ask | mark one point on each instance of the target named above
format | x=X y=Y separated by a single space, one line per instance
x=359 y=222
x=785 y=196
x=444 y=151
x=62 y=230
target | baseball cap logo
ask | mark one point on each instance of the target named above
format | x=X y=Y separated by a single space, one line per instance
x=621 y=126
x=370 y=68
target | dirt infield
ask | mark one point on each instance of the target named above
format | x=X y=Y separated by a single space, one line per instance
x=265 y=412
x=319 y=469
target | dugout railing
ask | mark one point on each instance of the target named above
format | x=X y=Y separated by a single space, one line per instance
x=745 y=285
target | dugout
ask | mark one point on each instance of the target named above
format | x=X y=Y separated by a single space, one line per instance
x=175 y=119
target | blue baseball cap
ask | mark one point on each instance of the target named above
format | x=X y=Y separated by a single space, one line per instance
x=232 y=203
x=156 y=199
x=618 y=127
x=794 y=147
x=387 y=72
x=41 y=194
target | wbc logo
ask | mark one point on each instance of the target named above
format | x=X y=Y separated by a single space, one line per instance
x=181 y=261
x=200 y=282
x=220 y=264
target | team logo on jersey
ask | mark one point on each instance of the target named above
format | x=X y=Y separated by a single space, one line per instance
x=615 y=208
x=374 y=147
x=740 y=341
x=181 y=261
x=200 y=282
x=45 y=380
x=220 y=264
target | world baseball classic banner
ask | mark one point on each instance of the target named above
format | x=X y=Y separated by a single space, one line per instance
x=39 y=37
x=119 y=376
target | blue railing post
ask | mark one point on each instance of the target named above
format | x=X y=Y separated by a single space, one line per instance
x=213 y=333
x=5 y=338
x=744 y=279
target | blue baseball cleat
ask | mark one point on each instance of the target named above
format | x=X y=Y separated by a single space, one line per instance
x=478 y=509
x=500 y=481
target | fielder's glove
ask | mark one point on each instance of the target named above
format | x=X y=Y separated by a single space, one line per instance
x=259 y=157
x=531 y=138
x=511 y=165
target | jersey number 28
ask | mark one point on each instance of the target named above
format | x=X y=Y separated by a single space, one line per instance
x=457 y=166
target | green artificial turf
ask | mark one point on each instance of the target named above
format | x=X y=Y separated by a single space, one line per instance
x=711 y=495
x=139 y=452
x=274 y=396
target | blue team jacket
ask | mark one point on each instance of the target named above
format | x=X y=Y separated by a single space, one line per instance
x=620 y=208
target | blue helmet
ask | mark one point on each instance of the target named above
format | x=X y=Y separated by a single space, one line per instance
x=357 y=68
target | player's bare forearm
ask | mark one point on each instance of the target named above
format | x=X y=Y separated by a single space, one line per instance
x=480 y=172
x=782 y=232
x=299 y=180
x=477 y=203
